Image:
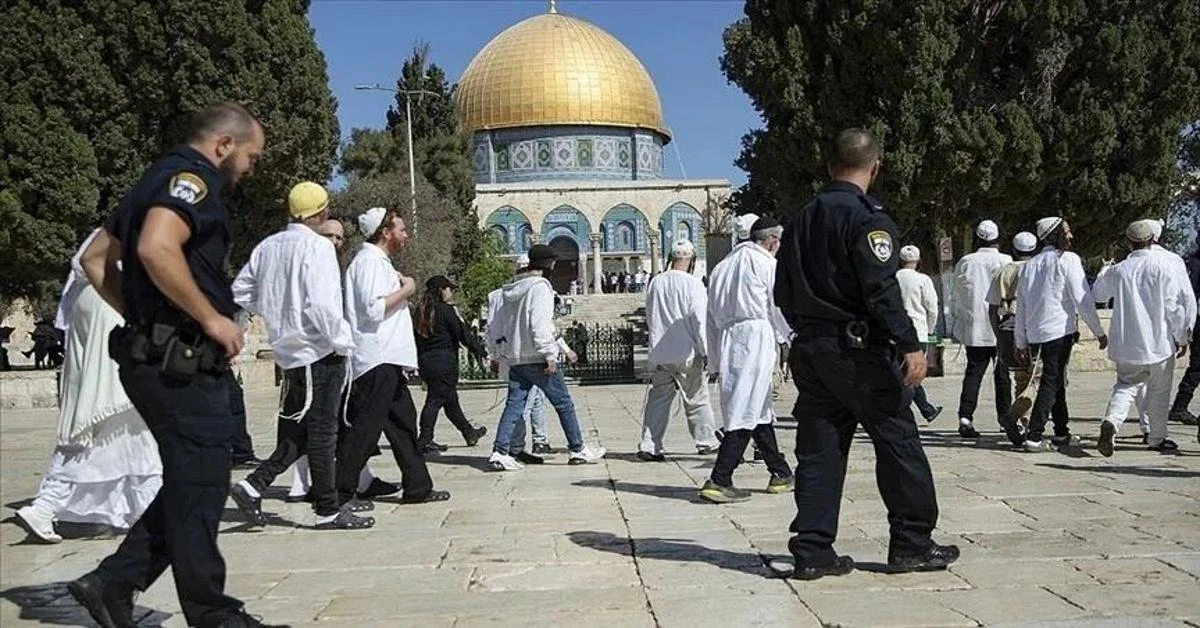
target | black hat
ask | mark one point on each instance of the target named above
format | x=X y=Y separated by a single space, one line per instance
x=541 y=253
x=766 y=222
x=437 y=282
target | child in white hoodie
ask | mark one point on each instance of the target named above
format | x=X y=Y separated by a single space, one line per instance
x=523 y=336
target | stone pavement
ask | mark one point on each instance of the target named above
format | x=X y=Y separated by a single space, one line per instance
x=1047 y=539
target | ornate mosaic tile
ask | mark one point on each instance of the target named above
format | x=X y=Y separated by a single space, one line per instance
x=623 y=154
x=644 y=156
x=545 y=154
x=480 y=158
x=583 y=153
x=606 y=153
x=522 y=157
x=502 y=157
x=564 y=153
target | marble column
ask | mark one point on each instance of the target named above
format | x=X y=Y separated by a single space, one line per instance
x=597 y=269
x=655 y=263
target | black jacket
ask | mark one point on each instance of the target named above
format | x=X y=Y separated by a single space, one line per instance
x=449 y=332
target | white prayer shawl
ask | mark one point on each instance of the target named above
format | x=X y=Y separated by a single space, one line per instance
x=744 y=333
x=676 y=315
x=920 y=300
x=1153 y=308
x=76 y=282
x=91 y=387
x=973 y=275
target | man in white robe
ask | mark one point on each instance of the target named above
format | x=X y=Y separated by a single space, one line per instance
x=1153 y=312
x=744 y=331
x=969 y=323
x=105 y=467
x=921 y=304
x=676 y=310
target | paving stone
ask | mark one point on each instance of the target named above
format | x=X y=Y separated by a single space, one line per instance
x=1132 y=571
x=712 y=609
x=883 y=608
x=1138 y=600
x=1018 y=604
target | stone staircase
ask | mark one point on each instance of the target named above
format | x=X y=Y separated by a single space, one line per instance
x=591 y=309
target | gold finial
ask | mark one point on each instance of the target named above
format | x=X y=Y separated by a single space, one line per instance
x=553 y=6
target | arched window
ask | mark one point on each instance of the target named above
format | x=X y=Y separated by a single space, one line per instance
x=501 y=233
x=626 y=236
x=526 y=238
x=684 y=232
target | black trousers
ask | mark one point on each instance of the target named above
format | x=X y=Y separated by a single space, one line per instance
x=839 y=389
x=1191 y=377
x=978 y=359
x=381 y=402
x=243 y=447
x=733 y=448
x=194 y=427
x=1052 y=388
x=312 y=432
x=922 y=401
x=440 y=374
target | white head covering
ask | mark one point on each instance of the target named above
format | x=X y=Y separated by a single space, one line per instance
x=910 y=253
x=369 y=221
x=1025 y=242
x=987 y=231
x=1141 y=230
x=742 y=225
x=523 y=260
x=682 y=249
x=1047 y=225
x=1157 y=227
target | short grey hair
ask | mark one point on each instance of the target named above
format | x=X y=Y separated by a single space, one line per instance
x=763 y=234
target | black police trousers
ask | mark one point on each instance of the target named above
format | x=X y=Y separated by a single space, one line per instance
x=194 y=427
x=243 y=446
x=1191 y=377
x=381 y=402
x=439 y=371
x=839 y=389
x=308 y=425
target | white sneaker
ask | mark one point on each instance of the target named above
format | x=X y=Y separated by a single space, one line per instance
x=1039 y=446
x=503 y=462
x=586 y=455
x=38 y=524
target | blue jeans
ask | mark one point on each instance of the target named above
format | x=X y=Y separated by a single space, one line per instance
x=535 y=414
x=521 y=378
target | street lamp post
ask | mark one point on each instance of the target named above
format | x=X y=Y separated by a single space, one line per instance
x=412 y=171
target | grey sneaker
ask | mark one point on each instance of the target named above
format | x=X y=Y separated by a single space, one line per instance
x=1039 y=446
x=718 y=494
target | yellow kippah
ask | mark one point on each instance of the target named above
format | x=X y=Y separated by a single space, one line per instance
x=307 y=199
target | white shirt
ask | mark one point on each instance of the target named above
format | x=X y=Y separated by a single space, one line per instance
x=1051 y=292
x=1153 y=308
x=379 y=337
x=920 y=300
x=968 y=315
x=676 y=311
x=1176 y=263
x=292 y=281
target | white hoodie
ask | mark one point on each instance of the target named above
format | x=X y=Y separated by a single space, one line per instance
x=522 y=331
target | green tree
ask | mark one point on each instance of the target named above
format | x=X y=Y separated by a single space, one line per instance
x=1007 y=110
x=488 y=272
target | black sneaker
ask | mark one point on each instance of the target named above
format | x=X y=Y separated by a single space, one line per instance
x=705 y=450
x=110 y=606
x=840 y=566
x=967 y=431
x=1012 y=430
x=1108 y=437
x=1167 y=446
x=473 y=435
x=250 y=507
x=431 y=449
x=646 y=456
x=936 y=558
x=431 y=496
x=379 y=488
x=527 y=458
x=1183 y=416
x=932 y=415
x=244 y=620
x=247 y=464
x=543 y=448
x=346 y=520
x=296 y=499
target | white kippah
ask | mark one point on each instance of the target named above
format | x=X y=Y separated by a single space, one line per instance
x=910 y=253
x=369 y=221
x=1047 y=225
x=1141 y=230
x=523 y=261
x=742 y=225
x=682 y=249
x=987 y=231
x=1025 y=242
x=1157 y=228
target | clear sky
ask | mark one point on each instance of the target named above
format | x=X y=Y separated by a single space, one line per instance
x=679 y=42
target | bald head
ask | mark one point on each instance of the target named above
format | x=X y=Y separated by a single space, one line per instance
x=854 y=150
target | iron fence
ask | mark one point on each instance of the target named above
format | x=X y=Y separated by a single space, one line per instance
x=605 y=356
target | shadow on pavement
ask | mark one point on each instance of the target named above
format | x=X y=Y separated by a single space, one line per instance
x=1147 y=472
x=52 y=604
x=682 y=493
x=675 y=550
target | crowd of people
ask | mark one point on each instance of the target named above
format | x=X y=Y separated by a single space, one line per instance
x=149 y=409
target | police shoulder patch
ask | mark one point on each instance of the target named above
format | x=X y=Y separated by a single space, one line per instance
x=188 y=187
x=881 y=244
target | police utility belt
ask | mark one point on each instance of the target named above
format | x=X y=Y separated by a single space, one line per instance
x=180 y=351
x=850 y=334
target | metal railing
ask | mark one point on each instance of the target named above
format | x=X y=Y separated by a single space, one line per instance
x=605 y=356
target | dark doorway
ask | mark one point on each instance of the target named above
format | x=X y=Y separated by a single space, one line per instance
x=566 y=267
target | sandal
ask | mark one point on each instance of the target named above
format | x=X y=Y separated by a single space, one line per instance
x=346 y=520
x=432 y=496
x=359 y=505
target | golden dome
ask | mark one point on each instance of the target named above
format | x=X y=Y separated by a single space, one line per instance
x=552 y=69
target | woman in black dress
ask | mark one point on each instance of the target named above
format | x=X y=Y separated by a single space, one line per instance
x=439 y=333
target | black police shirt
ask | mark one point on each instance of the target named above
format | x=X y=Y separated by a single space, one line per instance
x=838 y=263
x=186 y=182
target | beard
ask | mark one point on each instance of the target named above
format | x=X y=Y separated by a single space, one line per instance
x=228 y=172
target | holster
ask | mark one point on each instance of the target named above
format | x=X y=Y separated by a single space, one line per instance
x=179 y=353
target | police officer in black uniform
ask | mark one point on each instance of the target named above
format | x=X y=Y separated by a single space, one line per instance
x=836 y=285
x=170 y=234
